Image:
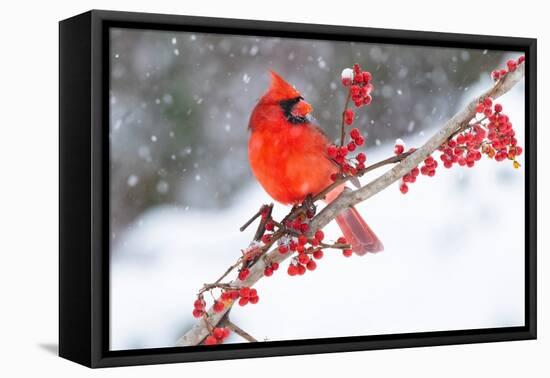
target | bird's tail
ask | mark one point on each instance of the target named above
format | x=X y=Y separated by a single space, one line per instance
x=358 y=233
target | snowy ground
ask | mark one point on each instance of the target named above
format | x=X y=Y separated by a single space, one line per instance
x=453 y=259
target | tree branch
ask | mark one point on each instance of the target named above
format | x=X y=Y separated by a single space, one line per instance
x=405 y=163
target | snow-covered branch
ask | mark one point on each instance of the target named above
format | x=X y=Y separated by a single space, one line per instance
x=403 y=165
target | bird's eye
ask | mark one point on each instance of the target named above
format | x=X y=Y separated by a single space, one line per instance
x=296 y=110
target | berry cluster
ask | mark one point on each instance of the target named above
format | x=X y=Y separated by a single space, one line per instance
x=360 y=86
x=339 y=155
x=493 y=136
x=308 y=251
x=269 y=269
x=245 y=295
x=219 y=334
x=428 y=168
x=248 y=295
x=511 y=66
x=200 y=306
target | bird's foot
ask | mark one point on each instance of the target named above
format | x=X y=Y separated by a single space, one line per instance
x=309 y=206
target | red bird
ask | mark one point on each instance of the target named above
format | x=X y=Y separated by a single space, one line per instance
x=288 y=156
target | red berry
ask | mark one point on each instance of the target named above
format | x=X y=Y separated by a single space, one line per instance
x=342 y=240
x=311 y=265
x=342 y=151
x=244 y=292
x=199 y=304
x=519 y=150
x=274 y=265
x=346 y=81
x=360 y=141
x=398 y=149
x=243 y=274
x=304 y=227
x=210 y=340
x=219 y=306
x=318 y=254
x=366 y=76
x=268 y=271
x=347 y=252
x=351 y=146
x=361 y=157
x=521 y=59
x=302 y=240
x=303 y=258
x=269 y=226
x=292 y=270
x=367 y=100
x=404 y=188
x=498 y=108
x=319 y=235
x=219 y=333
x=355 y=133
x=254 y=300
x=348 y=116
x=480 y=108
x=197 y=313
x=512 y=65
x=301 y=269
x=332 y=151
x=243 y=301
x=266 y=238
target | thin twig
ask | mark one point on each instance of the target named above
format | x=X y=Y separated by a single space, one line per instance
x=265 y=218
x=254 y=217
x=343 y=125
x=239 y=331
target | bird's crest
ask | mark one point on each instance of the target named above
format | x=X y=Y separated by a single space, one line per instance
x=280 y=89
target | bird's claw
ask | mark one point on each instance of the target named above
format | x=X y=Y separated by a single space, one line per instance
x=309 y=206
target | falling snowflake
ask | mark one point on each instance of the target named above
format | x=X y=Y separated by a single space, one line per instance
x=133 y=180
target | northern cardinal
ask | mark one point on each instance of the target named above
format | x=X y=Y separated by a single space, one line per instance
x=288 y=156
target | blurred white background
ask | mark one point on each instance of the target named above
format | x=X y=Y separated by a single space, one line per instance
x=28 y=275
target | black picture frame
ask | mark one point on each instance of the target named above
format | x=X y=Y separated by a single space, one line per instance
x=84 y=188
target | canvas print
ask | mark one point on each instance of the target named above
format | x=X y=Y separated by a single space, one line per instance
x=269 y=189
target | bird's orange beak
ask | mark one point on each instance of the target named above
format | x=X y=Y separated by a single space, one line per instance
x=302 y=109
